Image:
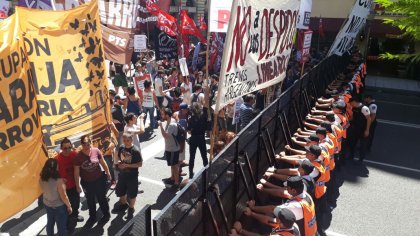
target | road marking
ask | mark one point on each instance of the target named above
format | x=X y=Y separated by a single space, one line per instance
x=390 y=122
x=153 y=149
x=155 y=182
x=398 y=103
x=395 y=166
x=37 y=226
x=330 y=233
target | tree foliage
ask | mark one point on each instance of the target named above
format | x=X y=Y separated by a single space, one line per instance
x=409 y=24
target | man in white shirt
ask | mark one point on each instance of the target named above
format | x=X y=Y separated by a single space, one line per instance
x=159 y=80
x=373 y=108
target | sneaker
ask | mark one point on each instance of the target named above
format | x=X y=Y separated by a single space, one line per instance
x=120 y=208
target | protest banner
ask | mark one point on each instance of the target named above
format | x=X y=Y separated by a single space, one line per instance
x=219 y=15
x=257 y=47
x=118 y=13
x=347 y=35
x=68 y=4
x=65 y=51
x=140 y=43
x=37 y=4
x=147 y=21
x=165 y=46
x=183 y=66
x=304 y=45
x=139 y=83
x=304 y=14
x=237 y=111
x=22 y=153
x=117 y=45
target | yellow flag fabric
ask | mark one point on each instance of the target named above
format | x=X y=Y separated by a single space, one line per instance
x=67 y=59
x=52 y=85
x=22 y=153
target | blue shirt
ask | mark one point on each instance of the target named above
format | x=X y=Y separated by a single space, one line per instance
x=246 y=114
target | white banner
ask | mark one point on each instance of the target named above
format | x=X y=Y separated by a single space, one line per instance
x=257 y=48
x=347 y=35
x=140 y=43
x=184 y=67
x=304 y=14
x=219 y=15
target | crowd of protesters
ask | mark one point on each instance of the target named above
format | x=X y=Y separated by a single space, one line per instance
x=296 y=198
x=182 y=109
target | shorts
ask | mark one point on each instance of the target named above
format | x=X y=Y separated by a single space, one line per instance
x=127 y=185
x=120 y=81
x=172 y=158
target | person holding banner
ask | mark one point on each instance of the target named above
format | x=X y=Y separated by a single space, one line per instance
x=55 y=199
x=87 y=171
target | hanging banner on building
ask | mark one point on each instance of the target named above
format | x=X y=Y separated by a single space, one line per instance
x=118 y=13
x=304 y=45
x=65 y=51
x=165 y=46
x=220 y=15
x=140 y=43
x=257 y=47
x=304 y=14
x=117 y=45
x=347 y=35
x=22 y=153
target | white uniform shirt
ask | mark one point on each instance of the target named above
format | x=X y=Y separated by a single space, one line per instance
x=373 y=107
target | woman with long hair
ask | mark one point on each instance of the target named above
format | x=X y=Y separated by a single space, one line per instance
x=55 y=199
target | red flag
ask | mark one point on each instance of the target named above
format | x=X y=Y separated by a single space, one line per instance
x=321 y=28
x=203 y=25
x=188 y=27
x=165 y=22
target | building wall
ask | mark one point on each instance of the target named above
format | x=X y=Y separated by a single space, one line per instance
x=331 y=8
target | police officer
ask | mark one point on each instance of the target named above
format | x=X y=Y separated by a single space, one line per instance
x=359 y=129
x=373 y=107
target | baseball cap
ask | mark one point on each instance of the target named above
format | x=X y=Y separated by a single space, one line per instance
x=339 y=104
x=321 y=130
x=294 y=182
x=307 y=166
x=312 y=138
x=285 y=215
x=122 y=97
x=183 y=106
x=314 y=149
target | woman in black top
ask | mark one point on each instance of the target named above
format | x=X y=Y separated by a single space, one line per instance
x=197 y=128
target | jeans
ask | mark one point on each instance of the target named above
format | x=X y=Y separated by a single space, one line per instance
x=160 y=101
x=96 y=188
x=74 y=198
x=56 y=215
x=150 y=112
x=200 y=142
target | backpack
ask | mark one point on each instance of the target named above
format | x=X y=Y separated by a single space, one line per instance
x=194 y=98
x=180 y=137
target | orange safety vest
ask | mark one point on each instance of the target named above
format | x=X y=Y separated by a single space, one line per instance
x=344 y=123
x=339 y=134
x=326 y=160
x=309 y=218
x=358 y=83
x=320 y=188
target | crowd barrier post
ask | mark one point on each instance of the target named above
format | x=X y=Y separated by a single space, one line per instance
x=216 y=195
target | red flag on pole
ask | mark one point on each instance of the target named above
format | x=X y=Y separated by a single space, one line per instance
x=321 y=28
x=188 y=27
x=165 y=22
x=203 y=25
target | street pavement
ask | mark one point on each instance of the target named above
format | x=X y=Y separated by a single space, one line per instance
x=379 y=197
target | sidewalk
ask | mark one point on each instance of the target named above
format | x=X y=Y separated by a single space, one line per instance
x=392 y=83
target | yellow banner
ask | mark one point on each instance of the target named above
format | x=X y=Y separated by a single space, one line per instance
x=67 y=59
x=22 y=153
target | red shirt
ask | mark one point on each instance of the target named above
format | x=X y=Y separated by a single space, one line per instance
x=66 y=169
x=89 y=165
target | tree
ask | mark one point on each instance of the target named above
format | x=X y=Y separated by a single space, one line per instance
x=409 y=24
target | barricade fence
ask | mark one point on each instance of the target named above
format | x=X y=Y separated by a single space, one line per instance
x=215 y=198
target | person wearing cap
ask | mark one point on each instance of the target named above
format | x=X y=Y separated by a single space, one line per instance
x=149 y=102
x=305 y=170
x=313 y=154
x=283 y=224
x=359 y=129
x=301 y=204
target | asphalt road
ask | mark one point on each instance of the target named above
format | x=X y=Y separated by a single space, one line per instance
x=380 y=196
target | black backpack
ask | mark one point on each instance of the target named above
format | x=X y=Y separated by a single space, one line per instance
x=180 y=137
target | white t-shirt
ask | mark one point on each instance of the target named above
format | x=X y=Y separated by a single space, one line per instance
x=187 y=95
x=148 y=99
x=158 y=83
x=294 y=207
x=200 y=98
x=131 y=130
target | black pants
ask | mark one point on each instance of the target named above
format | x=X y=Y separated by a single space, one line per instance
x=355 y=135
x=320 y=212
x=200 y=142
x=96 y=189
x=371 y=134
x=74 y=198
